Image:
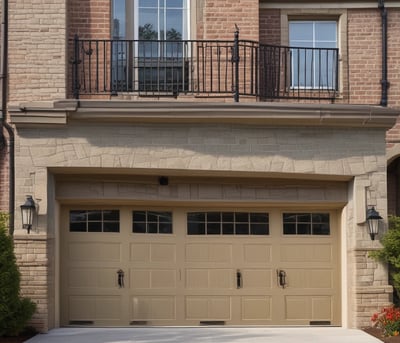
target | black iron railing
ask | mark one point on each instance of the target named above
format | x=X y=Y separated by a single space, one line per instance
x=213 y=68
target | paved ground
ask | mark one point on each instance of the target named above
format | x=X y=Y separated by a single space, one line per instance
x=205 y=334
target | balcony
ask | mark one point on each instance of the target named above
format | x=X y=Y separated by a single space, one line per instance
x=199 y=68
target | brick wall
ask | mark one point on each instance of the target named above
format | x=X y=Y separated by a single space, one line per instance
x=4 y=178
x=393 y=135
x=90 y=19
x=220 y=17
x=36 y=50
x=364 y=44
x=270 y=26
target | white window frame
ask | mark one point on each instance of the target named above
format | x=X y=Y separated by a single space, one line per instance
x=314 y=82
x=330 y=13
x=186 y=23
x=132 y=19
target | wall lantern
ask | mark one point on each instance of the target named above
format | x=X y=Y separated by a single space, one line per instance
x=27 y=211
x=373 y=219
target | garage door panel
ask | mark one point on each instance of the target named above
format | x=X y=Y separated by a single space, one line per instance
x=308 y=308
x=82 y=307
x=256 y=308
x=95 y=308
x=152 y=253
x=204 y=308
x=92 y=278
x=153 y=278
x=165 y=253
x=304 y=278
x=153 y=308
x=218 y=253
x=321 y=308
x=94 y=251
x=257 y=253
x=257 y=278
x=209 y=278
x=139 y=252
x=305 y=253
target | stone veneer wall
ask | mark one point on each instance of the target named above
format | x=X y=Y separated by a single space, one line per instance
x=205 y=148
x=372 y=290
x=33 y=263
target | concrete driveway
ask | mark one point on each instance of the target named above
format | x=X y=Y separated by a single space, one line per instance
x=205 y=334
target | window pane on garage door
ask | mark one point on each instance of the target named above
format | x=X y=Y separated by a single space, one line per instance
x=227 y=223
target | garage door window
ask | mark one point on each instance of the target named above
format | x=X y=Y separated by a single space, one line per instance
x=94 y=221
x=306 y=224
x=227 y=223
x=151 y=222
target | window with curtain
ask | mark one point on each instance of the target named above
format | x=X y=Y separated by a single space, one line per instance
x=313 y=58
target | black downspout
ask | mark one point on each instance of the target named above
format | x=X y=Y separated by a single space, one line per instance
x=384 y=82
x=236 y=60
x=4 y=122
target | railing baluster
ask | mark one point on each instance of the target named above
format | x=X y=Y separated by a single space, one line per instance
x=75 y=71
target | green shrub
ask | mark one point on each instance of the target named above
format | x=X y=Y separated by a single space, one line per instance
x=15 y=311
x=390 y=253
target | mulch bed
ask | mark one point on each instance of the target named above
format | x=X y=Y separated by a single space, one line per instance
x=24 y=336
x=378 y=334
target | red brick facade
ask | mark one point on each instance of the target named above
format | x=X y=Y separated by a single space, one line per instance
x=220 y=17
x=270 y=27
x=364 y=46
x=89 y=19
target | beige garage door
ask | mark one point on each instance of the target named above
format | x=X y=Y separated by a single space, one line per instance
x=152 y=266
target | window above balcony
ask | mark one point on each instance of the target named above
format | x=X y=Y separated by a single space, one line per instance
x=313 y=68
x=154 y=62
x=150 y=19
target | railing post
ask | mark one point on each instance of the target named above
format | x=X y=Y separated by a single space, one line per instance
x=75 y=63
x=235 y=60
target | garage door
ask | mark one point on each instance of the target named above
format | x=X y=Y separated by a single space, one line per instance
x=151 y=266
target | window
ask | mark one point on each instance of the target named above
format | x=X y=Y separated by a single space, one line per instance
x=119 y=20
x=156 y=61
x=94 y=221
x=313 y=54
x=306 y=224
x=227 y=223
x=162 y=19
x=151 y=222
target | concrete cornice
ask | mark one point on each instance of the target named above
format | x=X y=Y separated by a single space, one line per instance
x=267 y=113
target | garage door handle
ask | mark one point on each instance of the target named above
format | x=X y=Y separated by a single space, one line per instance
x=281 y=278
x=121 y=275
x=239 y=279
